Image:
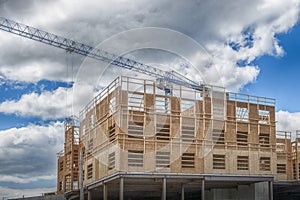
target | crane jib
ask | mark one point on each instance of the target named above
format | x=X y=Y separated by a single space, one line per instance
x=86 y=50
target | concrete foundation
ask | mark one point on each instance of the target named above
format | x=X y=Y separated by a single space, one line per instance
x=128 y=185
x=256 y=191
x=50 y=197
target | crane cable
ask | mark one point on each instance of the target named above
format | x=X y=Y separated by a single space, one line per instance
x=69 y=75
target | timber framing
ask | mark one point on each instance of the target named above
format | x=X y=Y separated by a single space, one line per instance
x=133 y=128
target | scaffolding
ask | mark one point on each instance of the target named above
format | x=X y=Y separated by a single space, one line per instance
x=68 y=159
x=134 y=126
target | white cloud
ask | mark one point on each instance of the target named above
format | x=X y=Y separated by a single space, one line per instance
x=29 y=153
x=6 y=193
x=214 y=24
x=51 y=105
x=32 y=72
x=47 y=105
x=17 y=179
x=287 y=121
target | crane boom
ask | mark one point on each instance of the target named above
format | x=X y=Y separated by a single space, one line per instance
x=86 y=50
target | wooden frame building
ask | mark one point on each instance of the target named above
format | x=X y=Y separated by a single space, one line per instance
x=135 y=126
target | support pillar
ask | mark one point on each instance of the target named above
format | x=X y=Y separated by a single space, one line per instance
x=81 y=195
x=203 y=190
x=121 y=195
x=164 y=189
x=90 y=195
x=270 y=190
x=104 y=192
x=182 y=192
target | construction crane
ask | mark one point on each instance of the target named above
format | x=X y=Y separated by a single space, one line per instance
x=164 y=78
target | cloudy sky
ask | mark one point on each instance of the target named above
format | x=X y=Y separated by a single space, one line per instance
x=246 y=46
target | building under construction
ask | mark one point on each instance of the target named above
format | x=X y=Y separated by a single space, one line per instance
x=140 y=140
x=171 y=138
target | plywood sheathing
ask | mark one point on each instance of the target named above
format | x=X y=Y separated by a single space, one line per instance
x=200 y=118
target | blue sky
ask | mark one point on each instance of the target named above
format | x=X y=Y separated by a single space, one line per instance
x=36 y=80
x=14 y=91
x=279 y=76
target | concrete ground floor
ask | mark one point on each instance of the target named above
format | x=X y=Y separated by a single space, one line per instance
x=178 y=186
x=286 y=190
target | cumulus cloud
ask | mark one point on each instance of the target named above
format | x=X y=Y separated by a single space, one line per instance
x=29 y=153
x=231 y=32
x=18 y=193
x=14 y=179
x=51 y=105
x=47 y=105
x=287 y=121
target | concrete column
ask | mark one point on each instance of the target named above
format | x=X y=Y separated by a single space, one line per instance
x=81 y=195
x=270 y=190
x=164 y=189
x=90 y=195
x=203 y=190
x=182 y=192
x=121 y=195
x=104 y=192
